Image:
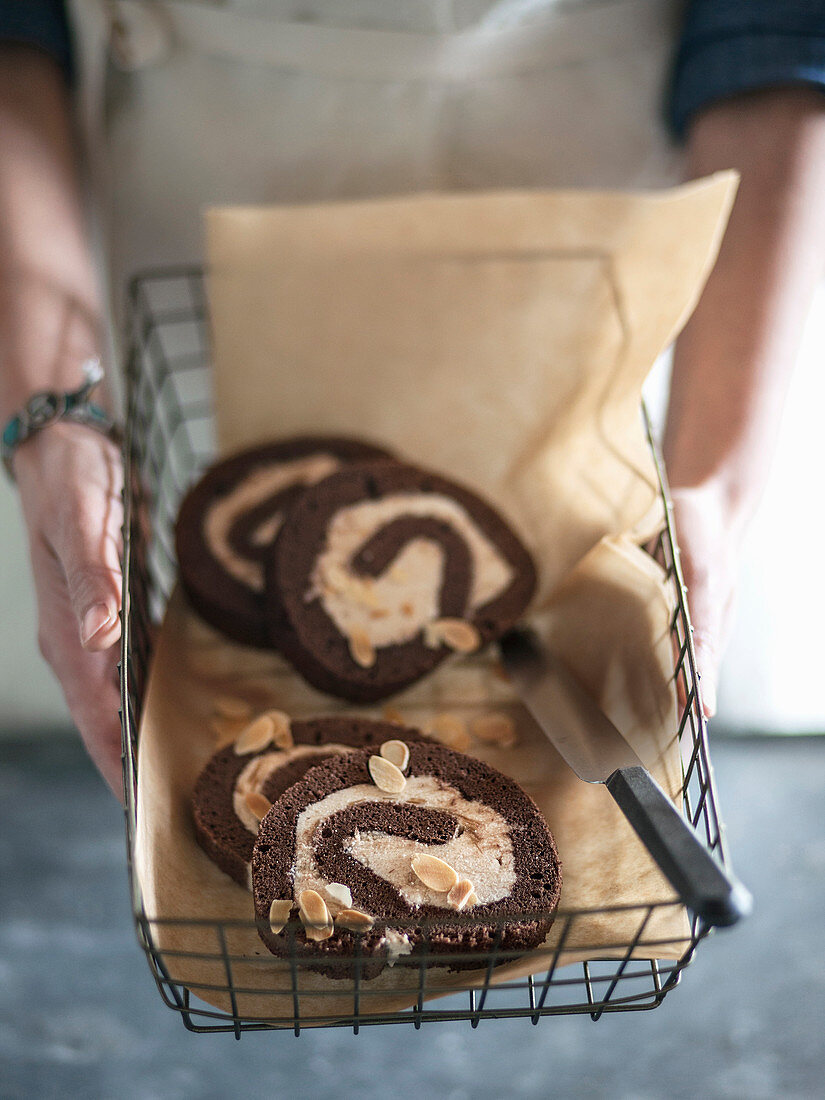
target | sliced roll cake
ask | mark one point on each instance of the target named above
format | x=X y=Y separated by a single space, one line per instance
x=241 y=781
x=229 y=519
x=410 y=849
x=382 y=570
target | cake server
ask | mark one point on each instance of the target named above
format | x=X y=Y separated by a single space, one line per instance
x=598 y=753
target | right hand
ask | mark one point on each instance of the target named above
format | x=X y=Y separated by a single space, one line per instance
x=70 y=479
x=709 y=543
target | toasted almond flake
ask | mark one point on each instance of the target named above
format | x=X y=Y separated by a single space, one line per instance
x=256 y=736
x=434 y=873
x=319 y=931
x=457 y=634
x=396 y=752
x=282 y=729
x=313 y=908
x=257 y=804
x=390 y=714
x=227 y=730
x=459 y=896
x=361 y=648
x=230 y=706
x=450 y=730
x=495 y=729
x=279 y=914
x=386 y=775
x=338 y=895
x=355 y=920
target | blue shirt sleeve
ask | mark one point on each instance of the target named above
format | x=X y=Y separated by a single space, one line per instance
x=731 y=46
x=40 y=23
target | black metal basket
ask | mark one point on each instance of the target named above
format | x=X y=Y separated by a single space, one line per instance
x=169 y=440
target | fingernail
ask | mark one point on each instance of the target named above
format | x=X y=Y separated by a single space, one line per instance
x=709 y=698
x=94 y=621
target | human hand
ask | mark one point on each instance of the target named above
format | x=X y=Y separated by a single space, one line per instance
x=709 y=550
x=70 y=479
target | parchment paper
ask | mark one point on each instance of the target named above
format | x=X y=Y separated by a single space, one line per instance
x=502 y=339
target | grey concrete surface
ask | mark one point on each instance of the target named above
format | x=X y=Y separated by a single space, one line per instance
x=80 y=1017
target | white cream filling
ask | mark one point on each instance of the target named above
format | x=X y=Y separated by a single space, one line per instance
x=255 y=774
x=393 y=607
x=482 y=851
x=260 y=484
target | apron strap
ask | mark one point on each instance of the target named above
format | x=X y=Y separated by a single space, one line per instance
x=484 y=52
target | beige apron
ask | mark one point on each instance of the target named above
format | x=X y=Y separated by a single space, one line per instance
x=187 y=104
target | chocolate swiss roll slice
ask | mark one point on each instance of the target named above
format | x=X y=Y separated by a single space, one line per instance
x=228 y=521
x=241 y=781
x=380 y=571
x=413 y=849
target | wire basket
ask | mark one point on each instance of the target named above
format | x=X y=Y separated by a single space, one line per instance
x=169 y=440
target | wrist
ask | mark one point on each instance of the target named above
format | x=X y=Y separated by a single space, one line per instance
x=49 y=409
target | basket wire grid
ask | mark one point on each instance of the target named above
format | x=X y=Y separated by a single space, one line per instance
x=169 y=440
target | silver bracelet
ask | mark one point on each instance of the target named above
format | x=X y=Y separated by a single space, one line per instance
x=51 y=406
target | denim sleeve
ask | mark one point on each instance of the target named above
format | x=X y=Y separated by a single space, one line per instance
x=40 y=23
x=731 y=46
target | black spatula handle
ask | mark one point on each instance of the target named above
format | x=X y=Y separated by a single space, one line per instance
x=718 y=898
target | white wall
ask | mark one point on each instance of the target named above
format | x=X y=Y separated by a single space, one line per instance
x=29 y=697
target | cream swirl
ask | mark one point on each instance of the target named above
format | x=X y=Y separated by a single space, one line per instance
x=260 y=485
x=480 y=848
x=393 y=607
x=255 y=775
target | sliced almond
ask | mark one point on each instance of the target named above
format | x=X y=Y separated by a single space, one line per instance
x=361 y=648
x=459 y=896
x=314 y=915
x=355 y=920
x=318 y=931
x=495 y=729
x=230 y=706
x=227 y=730
x=256 y=736
x=397 y=753
x=434 y=873
x=279 y=914
x=386 y=775
x=338 y=895
x=313 y=907
x=450 y=730
x=257 y=804
x=282 y=729
x=456 y=633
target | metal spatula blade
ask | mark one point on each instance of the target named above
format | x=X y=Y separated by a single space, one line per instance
x=598 y=753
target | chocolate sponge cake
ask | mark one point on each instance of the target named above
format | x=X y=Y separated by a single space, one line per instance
x=381 y=570
x=240 y=781
x=407 y=850
x=228 y=521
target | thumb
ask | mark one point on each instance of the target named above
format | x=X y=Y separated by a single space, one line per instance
x=94 y=593
x=87 y=546
x=707 y=666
